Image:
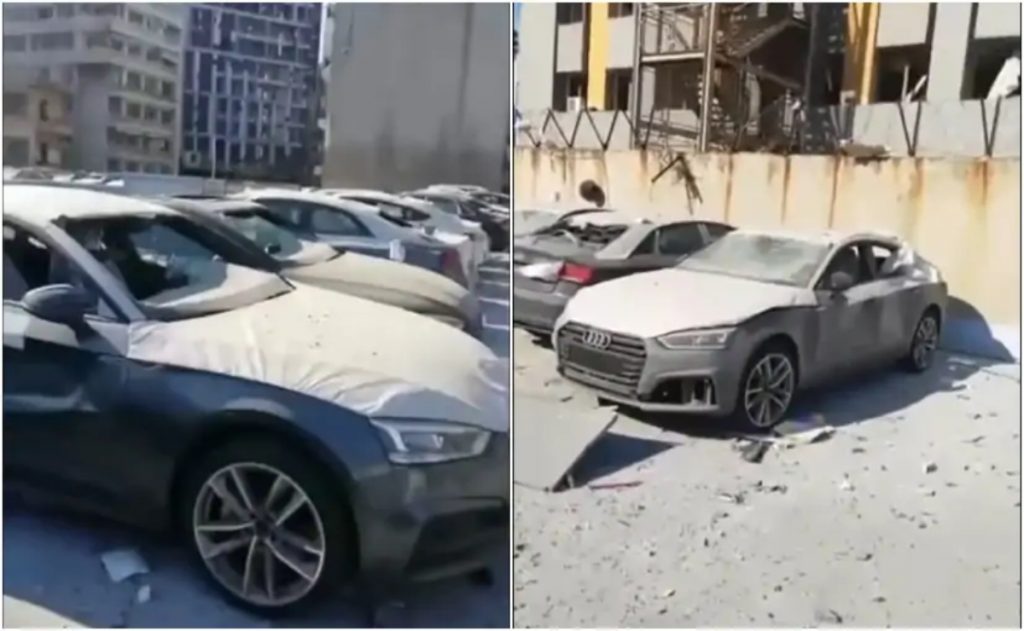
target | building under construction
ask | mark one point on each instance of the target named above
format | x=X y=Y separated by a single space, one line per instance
x=768 y=79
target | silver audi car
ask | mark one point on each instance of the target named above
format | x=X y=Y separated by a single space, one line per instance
x=736 y=329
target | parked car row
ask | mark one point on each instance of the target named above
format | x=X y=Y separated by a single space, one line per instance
x=697 y=317
x=289 y=380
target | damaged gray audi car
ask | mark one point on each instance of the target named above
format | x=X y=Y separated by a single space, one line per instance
x=295 y=438
x=736 y=329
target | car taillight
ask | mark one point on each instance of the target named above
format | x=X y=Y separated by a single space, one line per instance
x=450 y=260
x=574 y=273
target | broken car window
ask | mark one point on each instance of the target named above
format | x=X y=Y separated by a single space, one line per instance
x=769 y=259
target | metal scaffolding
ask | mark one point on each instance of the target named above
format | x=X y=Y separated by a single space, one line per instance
x=725 y=76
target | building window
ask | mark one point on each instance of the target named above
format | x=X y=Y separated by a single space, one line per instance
x=134 y=50
x=44 y=12
x=97 y=40
x=167 y=89
x=677 y=85
x=131 y=166
x=569 y=12
x=44 y=110
x=132 y=80
x=113 y=165
x=114 y=106
x=133 y=111
x=15 y=151
x=136 y=18
x=987 y=59
x=53 y=41
x=14 y=43
x=620 y=9
x=15 y=104
x=65 y=10
x=167 y=117
x=150 y=114
x=616 y=95
x=44 y=153
x=902 y=73
x=568 y=86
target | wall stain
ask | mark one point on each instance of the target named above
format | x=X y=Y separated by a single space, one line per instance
x=915 y=198
x=836 y=168
x=785 y=186
x=728 y=187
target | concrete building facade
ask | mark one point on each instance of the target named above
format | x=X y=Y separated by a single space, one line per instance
x=251 y=91
x=866 y=57
x=418 y=94
x=93 y=86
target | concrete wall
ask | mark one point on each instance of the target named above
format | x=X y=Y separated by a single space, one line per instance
x=964 y=215
x=536 y=61
x=418 y=94
x=934 y=129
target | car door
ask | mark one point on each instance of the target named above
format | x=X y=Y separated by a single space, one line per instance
x=902 y=298
x=849 y=320
x=61 y=384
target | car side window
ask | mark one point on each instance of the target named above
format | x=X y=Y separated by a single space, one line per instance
x=679 y=239
x=849 y=261
x=29 y=264
x=287 y=210
x=647 y=245
x=883 y=259
x=335 y=221
x=717 y=230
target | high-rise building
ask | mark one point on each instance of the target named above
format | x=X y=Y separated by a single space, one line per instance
x=92 y=86
x=251 y=85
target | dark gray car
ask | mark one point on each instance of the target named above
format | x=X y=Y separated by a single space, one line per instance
x=294 y=437
x=589 y=247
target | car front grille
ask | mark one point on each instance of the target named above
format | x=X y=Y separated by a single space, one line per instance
x=616 y=367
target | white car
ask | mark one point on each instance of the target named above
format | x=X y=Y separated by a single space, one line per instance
x=426 y=215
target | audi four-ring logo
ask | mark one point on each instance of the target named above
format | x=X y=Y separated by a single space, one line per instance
x=597 y=339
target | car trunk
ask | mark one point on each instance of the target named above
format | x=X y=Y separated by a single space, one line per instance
x=537 y=259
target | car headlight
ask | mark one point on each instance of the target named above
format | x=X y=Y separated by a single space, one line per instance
x=424 y=442
x=697 y=339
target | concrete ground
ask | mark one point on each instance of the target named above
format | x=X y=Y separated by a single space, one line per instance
x=908 y=516
x=52 y=570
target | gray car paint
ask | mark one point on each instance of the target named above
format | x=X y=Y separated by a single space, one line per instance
x=834 y=334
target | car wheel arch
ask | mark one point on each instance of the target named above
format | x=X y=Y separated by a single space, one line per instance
x=784 y=340
x=228 y=426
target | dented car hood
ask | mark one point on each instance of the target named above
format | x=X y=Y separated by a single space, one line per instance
x=392 y=283
x=664 y=301
x=371 y=358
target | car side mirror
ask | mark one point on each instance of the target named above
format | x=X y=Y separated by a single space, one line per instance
x=273 y=248
x=840 y=282
x=63 y=304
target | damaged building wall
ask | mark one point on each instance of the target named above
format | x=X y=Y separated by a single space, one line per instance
x=924 y=200
x=433 y=109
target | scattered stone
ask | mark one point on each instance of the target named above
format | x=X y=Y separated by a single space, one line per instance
x=123 y=563
x=846 y=485
x=732 y=498
x=754 y=451
x=858 y=450
x=975 y=440
x=668 y=593
x=930 y=467
x=828 y=616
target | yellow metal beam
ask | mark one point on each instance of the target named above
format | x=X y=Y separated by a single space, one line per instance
x=861 y=52
x=597 y=55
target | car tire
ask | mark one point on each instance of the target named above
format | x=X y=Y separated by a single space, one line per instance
x=760 y=386
x=318 y=551
x=923 y=342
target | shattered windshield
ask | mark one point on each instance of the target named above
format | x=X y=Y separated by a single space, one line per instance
x=172 y=266
x=764 y=258
x=277 y=241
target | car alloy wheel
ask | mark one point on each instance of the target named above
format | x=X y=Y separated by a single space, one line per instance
x=926 y=340
x=768 y=390
x=259 y=534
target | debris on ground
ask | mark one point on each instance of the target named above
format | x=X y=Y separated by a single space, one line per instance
x=668 y=593
x=124 y=563
x=761 y=487
x=846 y=485
x=732 y=498
x=754 y=451
x=614 y=485
x=803 y=431
x=930 y=467
x=830 y=616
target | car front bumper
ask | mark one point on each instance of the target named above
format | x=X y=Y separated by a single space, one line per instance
x=421 y=523
x=688 y=381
